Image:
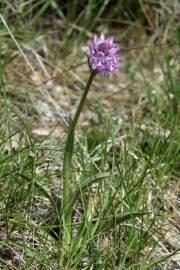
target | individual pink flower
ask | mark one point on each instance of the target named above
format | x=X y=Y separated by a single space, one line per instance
x=103 y=54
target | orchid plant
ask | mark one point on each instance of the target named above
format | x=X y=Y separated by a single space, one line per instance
x=103 y=58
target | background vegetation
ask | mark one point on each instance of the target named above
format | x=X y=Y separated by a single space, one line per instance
x=128 y=137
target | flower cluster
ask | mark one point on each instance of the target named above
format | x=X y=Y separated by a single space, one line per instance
x=103 y=55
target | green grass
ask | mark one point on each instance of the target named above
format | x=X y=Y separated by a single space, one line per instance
x=127 y=149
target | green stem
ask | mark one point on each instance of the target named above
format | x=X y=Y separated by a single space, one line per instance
x=67 y=168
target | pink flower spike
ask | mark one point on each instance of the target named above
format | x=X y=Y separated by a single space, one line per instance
x=103 y=55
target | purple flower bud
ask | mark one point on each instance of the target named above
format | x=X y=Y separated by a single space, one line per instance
x=103 y=55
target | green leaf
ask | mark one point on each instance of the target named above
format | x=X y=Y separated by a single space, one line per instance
x=163 y=258
x=87 y=182
x=120 y=218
